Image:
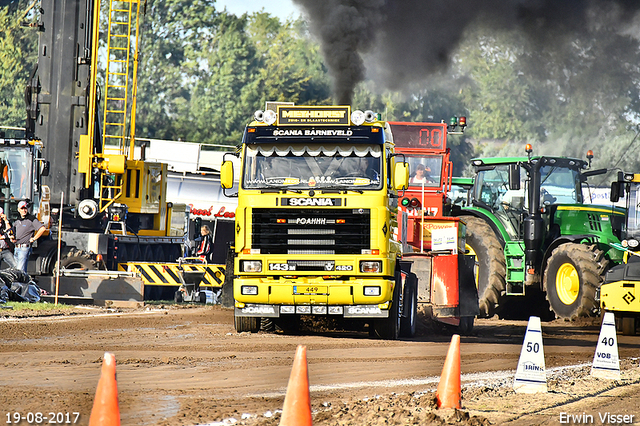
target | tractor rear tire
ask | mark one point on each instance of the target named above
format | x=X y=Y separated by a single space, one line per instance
x=491 y=268
x=250 y=324
x=573 y=274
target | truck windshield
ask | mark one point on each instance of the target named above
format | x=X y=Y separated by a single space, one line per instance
x=425 y=170
x=15 y=173
x=309 y=166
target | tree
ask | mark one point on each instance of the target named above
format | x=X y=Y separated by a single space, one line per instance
x=174 y=36
x=18 y=53
x=225 y=84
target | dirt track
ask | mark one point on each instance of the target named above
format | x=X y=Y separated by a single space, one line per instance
x=188 y=366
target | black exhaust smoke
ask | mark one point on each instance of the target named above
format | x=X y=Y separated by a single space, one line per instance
x=408 y=40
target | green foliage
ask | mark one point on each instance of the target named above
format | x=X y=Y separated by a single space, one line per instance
x=172 y=40
x=497 y=95
x=18 y=49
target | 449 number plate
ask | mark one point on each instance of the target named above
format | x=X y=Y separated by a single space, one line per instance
x=310 y=289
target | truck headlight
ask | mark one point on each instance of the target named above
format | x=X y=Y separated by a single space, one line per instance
x=251 y=266
x=251 y=290
x=371 y=266
x=357 y=117
x=372 y=291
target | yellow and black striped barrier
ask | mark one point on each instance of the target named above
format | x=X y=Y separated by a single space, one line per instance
x=168 y=274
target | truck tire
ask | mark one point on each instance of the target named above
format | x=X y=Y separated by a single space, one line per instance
x=466 y=325
x=177 y=297
x=410 y=307
x=574 y=272
x=250 y=324
x=389 y=328
x=78 y=259
x=491 y=269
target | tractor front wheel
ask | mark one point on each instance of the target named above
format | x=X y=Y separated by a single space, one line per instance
x=571 y=278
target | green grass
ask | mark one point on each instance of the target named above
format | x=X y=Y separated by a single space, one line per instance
x=40 y=306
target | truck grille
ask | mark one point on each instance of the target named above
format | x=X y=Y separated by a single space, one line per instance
x=311 y=231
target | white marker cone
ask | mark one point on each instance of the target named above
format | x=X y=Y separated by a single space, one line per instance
x=606 y=363
x=531 y=376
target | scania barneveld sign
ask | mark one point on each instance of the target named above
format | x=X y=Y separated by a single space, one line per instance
x=320 y=115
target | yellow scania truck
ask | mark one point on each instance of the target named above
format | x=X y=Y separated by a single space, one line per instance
x=316 y=218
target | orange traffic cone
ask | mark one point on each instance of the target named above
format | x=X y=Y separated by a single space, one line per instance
x=449 y=393
x=297 y=402
x=105 y=411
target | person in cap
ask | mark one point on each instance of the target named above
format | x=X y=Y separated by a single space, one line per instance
x=5 y=238
x=27 y=229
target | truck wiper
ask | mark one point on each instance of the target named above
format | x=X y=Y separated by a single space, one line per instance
x=279 y=190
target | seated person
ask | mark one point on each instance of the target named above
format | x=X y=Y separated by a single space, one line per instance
x=421 y=175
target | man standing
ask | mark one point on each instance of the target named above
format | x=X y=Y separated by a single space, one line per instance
x=5 y=249
x=27 y=230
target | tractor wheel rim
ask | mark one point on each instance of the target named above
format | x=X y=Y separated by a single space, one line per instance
x=476 y=266
x=567 y=284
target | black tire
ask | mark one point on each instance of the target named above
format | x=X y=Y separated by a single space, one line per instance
x=135 y=255
x=389 y=328
x=287 y=324
x=146 y=253
x=410 y=307
x=573 y=274
x=267 y=324
x=177 y=297
x=491 y=268
x=158 y=253
x=202 y=297
x=78 y=259
x=172 y=253
x=466 y=325
x=628 y=325
x=250 y=324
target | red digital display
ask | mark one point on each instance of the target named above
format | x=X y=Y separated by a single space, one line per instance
x=419 y=135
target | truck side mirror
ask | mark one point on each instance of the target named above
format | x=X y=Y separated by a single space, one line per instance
x=45 y=165
x=617 y=190
x=226 y=175
x=514 y=177
x=401 y=176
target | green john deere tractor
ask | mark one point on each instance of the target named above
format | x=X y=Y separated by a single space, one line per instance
x=530 y=231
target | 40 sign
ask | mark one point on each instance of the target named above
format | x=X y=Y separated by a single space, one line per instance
x=209 y=212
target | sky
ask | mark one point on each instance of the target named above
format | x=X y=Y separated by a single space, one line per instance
x=283 y=9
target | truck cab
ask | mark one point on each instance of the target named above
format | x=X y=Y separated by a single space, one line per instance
x=317 y=209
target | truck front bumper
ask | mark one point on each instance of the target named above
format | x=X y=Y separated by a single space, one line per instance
x=346 y=311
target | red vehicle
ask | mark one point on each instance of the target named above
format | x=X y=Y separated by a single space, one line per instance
x=434 y=243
